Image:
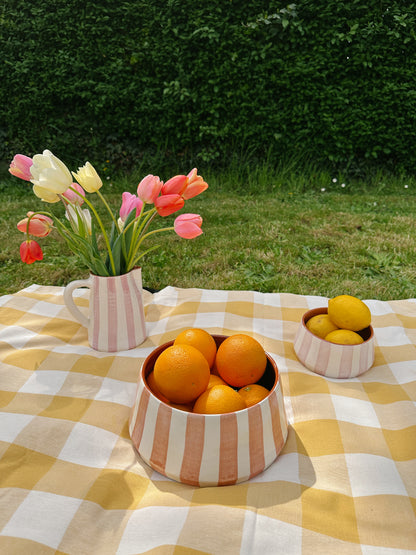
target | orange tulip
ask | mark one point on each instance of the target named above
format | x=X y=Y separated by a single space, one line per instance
x=195 y=185
x=168 y=204
x=36 y=224
x=175 y=185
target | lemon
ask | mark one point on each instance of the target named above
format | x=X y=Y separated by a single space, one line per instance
x=344 y=337
x=349 y=313
x=321 y=325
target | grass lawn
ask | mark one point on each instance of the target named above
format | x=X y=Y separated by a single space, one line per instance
x=292 y=238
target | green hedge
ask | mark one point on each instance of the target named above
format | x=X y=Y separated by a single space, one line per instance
x=330 y=81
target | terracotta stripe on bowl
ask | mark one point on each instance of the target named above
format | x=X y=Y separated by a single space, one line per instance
x=194 y=446
x=228 y=467
x=256 y=448
x=276 y=423
x=160 y=447
x=140 y=418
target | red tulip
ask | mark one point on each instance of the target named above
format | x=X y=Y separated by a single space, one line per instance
x=175 y=185
x=168 y=204
x=195 y=185
x=188 y=226
x=30 y=251
x=149 y=188
x=37 y=225
x=20 y=167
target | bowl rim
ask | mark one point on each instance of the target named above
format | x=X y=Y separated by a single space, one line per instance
x=368 y=331
x=148 y=364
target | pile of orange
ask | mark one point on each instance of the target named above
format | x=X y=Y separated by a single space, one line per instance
x=194 y=375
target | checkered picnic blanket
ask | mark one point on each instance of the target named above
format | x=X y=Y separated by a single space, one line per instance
x=71 y=482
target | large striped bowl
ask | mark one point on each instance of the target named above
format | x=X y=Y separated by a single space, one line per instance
x=331 y=359
x=213 y=449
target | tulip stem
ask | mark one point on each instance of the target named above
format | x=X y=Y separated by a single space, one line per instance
x=138 y=231
x=107 y=242
x=107 y=206
x=133 y=259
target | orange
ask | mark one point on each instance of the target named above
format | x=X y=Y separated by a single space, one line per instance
x=215 y=380
x=201 y=340
x=181 y=373
x=241 y=360
x=218 y=400
x=154 y=389
x=253 y=393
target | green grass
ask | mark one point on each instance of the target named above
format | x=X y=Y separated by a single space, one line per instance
x=264 y=230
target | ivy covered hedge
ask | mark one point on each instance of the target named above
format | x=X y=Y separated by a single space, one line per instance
x=332 y=81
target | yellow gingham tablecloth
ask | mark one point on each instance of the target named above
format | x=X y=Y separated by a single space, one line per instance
x=71 y=482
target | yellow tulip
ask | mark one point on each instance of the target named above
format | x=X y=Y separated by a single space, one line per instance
x=50 y=176
x=45 y=194
x=88 y=178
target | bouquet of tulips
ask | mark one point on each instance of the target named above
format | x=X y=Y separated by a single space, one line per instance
x=104 y=253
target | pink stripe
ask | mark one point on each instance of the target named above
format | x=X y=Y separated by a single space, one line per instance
x=161 y=436
x=140 y=419
x=256 y=446
x=228 y=466
x=345 y=366
x=96 y=318
x=112 y=323
x=128 y=285
x=276 y=424
x=142 y=325
x=306 y=340
x=366 y=357
x=323 y=357
x=194 y=445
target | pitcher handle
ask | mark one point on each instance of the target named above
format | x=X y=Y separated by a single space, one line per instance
x=69 y=301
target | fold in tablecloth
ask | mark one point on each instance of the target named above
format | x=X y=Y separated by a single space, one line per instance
x=70 y=481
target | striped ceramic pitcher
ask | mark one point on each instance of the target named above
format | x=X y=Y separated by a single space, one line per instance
x=116 y=316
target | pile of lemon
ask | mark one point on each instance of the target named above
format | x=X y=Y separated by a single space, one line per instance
x=346 y=316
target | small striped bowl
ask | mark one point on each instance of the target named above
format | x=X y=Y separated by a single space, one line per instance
x=212 y=449
x=330 y=359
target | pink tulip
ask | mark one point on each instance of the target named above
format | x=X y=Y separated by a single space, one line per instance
x=37 y=225
x=30 y=251
x=149 y=188
x=188 y=226
x=20 y=167
x=129 y=203
x=168 y=204
x=195 y=185
x=175 y=185
x=72 y=196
